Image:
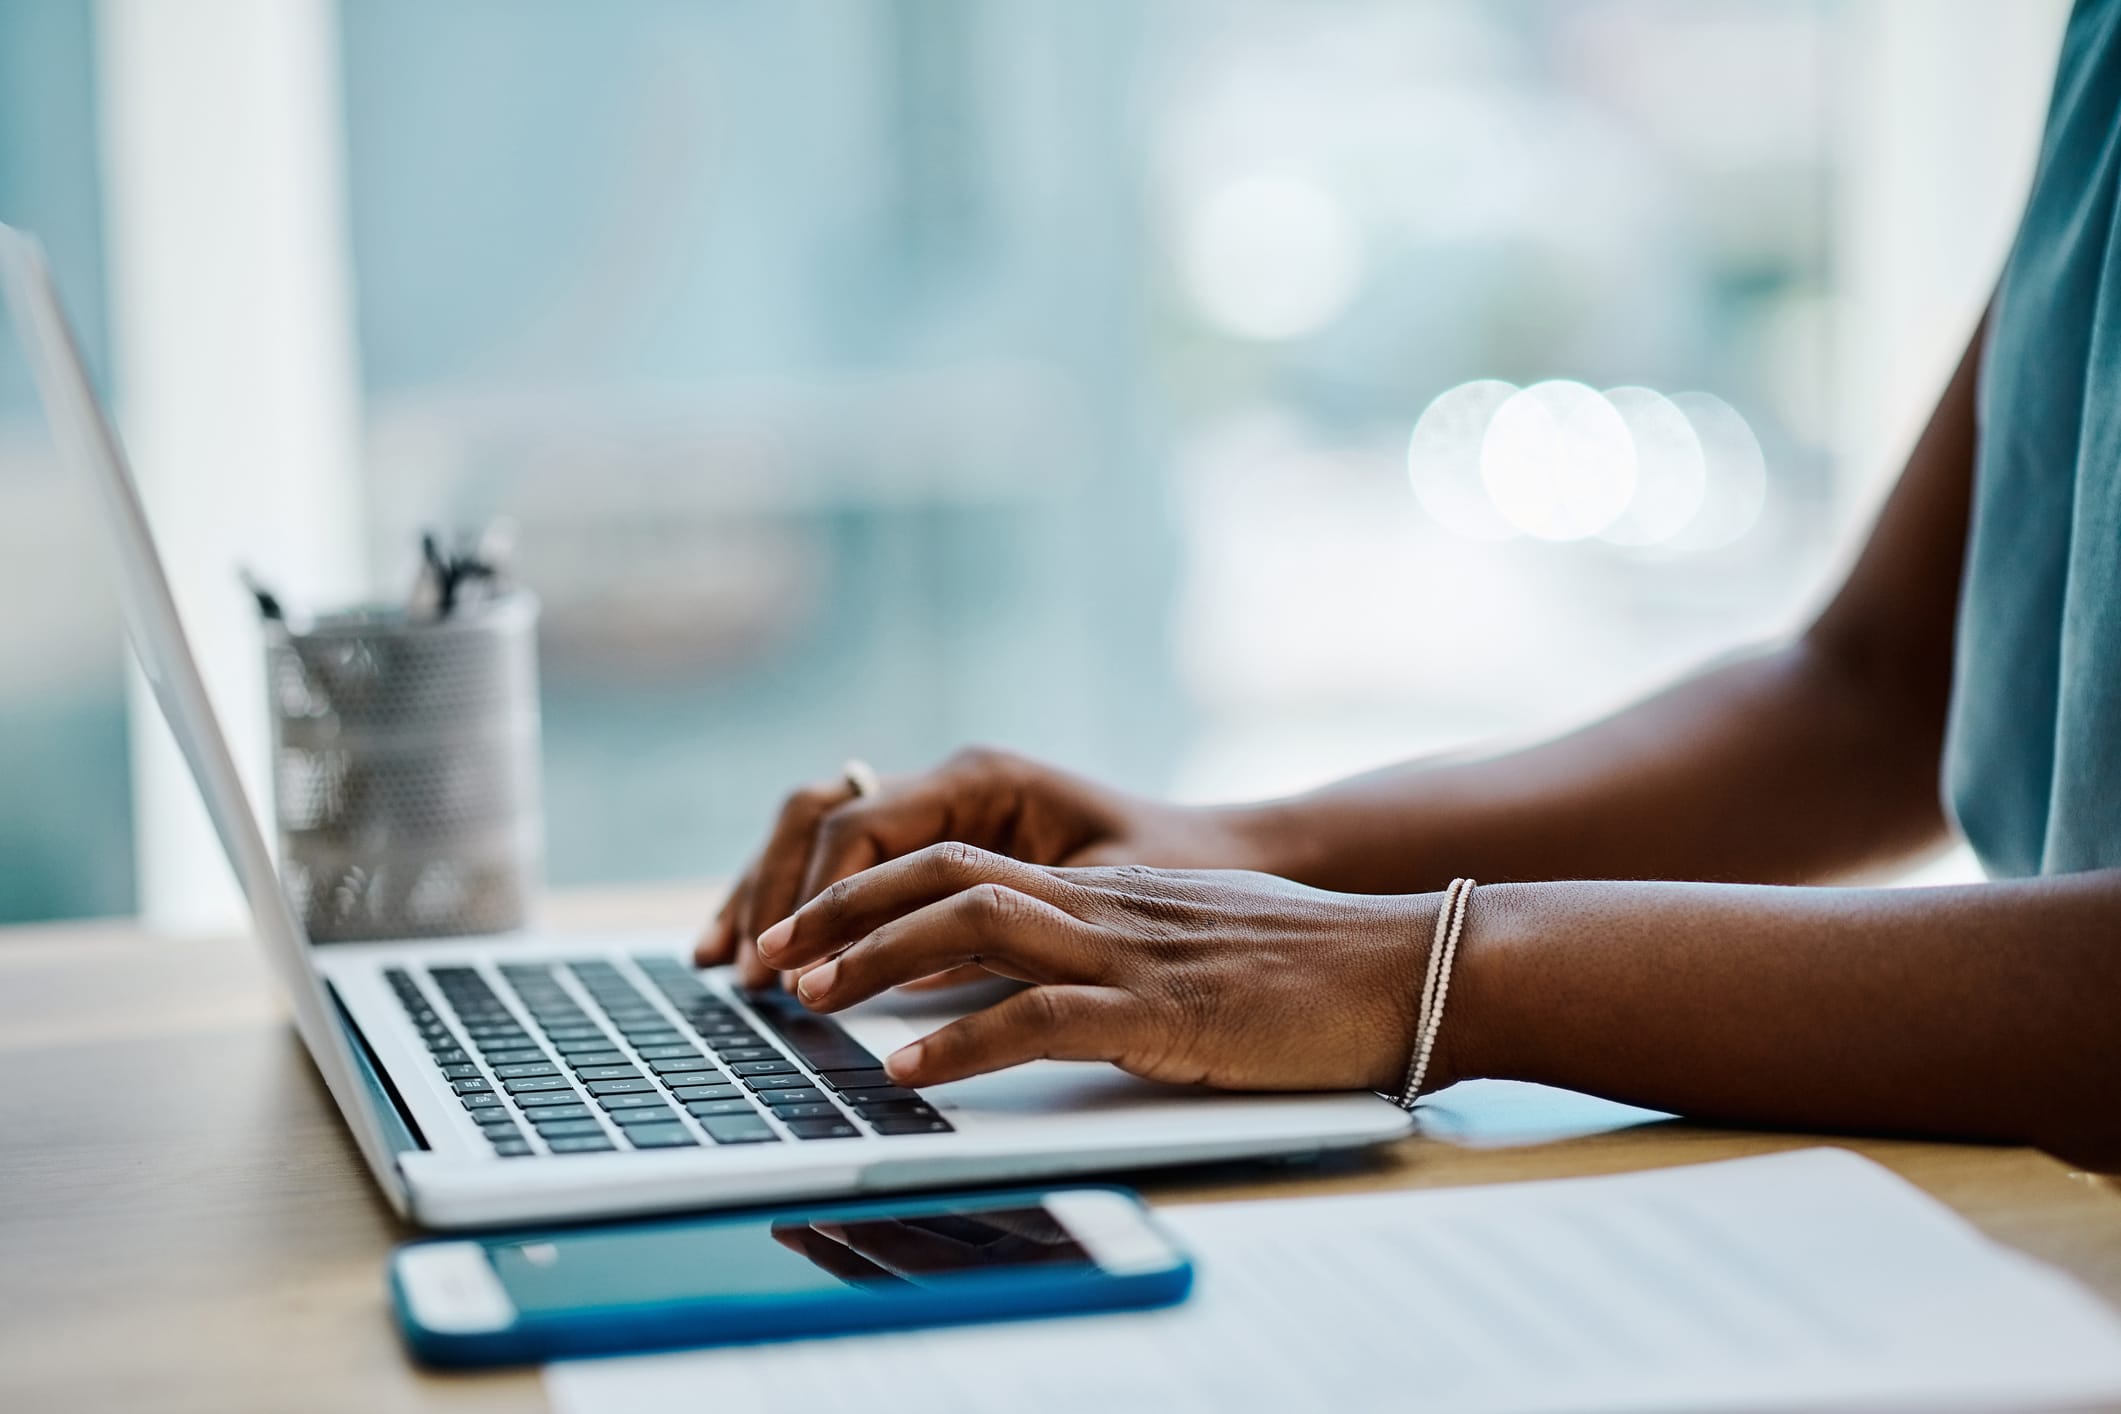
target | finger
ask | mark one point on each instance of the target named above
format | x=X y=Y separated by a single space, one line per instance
x=973 y=797
x=902 y=1247
x=718 y=944
x=1044 y=1023
x=963 y=976
x=987 y=926
x=751 y=974
x=831 y=1256
x=780 y=866
x=857 y=906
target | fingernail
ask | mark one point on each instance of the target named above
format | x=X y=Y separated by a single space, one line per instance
x=904 y=1061
x=817 y=981
x=775 y=938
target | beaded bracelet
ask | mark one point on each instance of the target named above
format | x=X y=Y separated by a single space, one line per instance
x=1436 y=986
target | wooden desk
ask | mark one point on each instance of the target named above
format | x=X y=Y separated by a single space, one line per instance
x=185 y=1225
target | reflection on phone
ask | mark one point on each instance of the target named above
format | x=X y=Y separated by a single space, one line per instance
x=873 y=1252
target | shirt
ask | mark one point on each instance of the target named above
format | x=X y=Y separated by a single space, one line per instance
x=2033 y=750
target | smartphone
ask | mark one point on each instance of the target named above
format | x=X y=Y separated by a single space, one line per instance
x=512 y=1299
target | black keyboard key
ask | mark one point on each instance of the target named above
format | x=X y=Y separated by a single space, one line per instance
x=733 y=1032
x=557 y=1114
x=808 y=1109
x=564 y=1036
x=658 y=1037
x=502 y=1128
x=680 y=1052
x=688 y=1065
x=618 y=1087
x=876 y=1095
x=472 y=1085
x=445 y=1044
x=661 y=1136
x=708 y=1109
x=463 y=1070
x=911 y=1124
x=733 y=1054
x=874 y=1079
x=821 y=1129
x=538 y=1099
x=763 y=1067
x=483 y=1100
x=823 y=1044
x=452 y=1056
x=569 y=1129
x=524 y=1070
x=896 y=1109
x=512 y=1148
x=523 y=1056
x=592 y=1058
x=708 y=1092
x=794 y=1095
x=661 y=1114
x=492 y=1030
x=778 y=1082
x=739 y=1129
x=606 y=1072
x=580 y=1144
x=629 y=1101
x=531 y=1083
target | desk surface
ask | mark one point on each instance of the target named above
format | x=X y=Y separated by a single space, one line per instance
x=184 y=1223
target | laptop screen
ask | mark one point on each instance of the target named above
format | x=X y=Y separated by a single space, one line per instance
x=89 y=447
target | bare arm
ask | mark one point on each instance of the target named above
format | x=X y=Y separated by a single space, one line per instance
x=1813 y=761
x=1983 y=1012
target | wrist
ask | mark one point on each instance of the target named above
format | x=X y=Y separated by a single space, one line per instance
x=1270 y=837
x=1474 y=1041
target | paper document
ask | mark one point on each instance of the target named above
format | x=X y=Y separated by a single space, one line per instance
x=1806 y=1280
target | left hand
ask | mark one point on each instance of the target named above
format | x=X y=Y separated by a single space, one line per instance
x=1216 y=977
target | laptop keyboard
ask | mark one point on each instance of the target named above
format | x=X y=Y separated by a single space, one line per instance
x=564 y=1075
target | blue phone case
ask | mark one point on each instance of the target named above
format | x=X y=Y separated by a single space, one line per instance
x=727 y=1320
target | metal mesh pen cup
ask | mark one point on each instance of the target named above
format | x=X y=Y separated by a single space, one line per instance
x=405 y=770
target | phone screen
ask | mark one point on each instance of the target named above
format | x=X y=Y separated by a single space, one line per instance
x=765 y=1257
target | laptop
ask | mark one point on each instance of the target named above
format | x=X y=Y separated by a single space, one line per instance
x=531 y=1078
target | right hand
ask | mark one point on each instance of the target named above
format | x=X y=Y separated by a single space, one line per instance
x=992 y=799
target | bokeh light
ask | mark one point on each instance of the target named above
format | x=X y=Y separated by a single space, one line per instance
x=1671 y=472
x=1271 y=257
x=1558 y=462
x=1443 y=459
x=1736 y=475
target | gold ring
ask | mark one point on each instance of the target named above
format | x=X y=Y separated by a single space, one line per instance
x=862 y=777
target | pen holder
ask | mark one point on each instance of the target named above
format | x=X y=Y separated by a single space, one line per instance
x=405 y=770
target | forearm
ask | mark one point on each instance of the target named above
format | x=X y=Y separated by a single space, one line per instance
x=1773 y=768
x=1985 y=1012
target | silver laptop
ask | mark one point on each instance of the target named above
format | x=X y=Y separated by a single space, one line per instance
x=529 y=1078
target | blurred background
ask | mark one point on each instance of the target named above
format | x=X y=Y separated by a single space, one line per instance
x=1214 y=395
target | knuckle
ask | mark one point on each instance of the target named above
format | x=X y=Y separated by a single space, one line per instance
x=954 y=859
x=832 y=904
x=982 y=760
x=1044 y=1012
x=805 y=801
x=994 y=907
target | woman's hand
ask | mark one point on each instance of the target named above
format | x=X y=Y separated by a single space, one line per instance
x=991 y=799
x=1225 y=978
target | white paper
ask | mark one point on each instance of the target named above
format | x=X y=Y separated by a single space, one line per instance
x=1813 y=1279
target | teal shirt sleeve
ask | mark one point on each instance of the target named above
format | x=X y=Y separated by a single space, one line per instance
x=2033 y=751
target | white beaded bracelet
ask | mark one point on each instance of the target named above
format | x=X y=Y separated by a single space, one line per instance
x=1436 y=986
